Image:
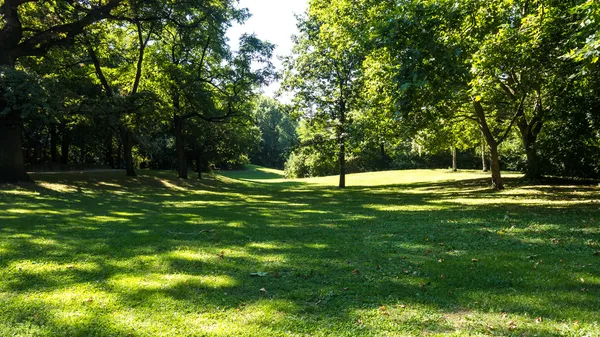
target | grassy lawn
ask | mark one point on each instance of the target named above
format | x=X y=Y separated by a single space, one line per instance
x=406 y=253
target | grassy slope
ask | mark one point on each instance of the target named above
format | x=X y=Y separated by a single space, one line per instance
x=397 y=253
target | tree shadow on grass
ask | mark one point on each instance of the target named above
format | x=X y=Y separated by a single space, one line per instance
x=185 y=250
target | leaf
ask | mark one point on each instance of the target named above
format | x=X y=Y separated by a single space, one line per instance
x=539 y=320
x=262 y=290
x=383 y=311
x=259 y=273
x=356 y=272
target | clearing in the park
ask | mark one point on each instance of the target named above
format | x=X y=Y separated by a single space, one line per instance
x=403 y=253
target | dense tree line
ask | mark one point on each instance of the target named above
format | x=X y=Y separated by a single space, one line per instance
x=376 y=85
x=518 y=77
x=126 y=83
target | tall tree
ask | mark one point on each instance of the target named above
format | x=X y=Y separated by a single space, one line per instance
x=324 y=71
x=28 y=29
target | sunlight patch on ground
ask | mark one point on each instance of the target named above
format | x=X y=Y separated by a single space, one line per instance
x=168 y=281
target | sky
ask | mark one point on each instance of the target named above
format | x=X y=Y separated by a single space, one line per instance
x=273 y=21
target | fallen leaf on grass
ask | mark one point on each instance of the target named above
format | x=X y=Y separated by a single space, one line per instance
x=512 y=325
x=383 y=311
x=539 y=320
x=262 y=290
x=356 y=272
x=474 y=260
x=221 y=256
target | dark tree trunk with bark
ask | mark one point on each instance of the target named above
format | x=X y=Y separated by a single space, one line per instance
x=65 y=146
x=529 y=133
x=199 y=164
x=53 y=144
x=12 y=165
x=497 y=182
x=483 y=159
x=119 y=158
x=128 y=152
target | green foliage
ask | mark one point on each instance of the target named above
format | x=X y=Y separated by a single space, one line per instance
x=21 y=92
x=278 y=133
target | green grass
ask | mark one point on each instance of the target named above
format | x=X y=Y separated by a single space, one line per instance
x=407 y=253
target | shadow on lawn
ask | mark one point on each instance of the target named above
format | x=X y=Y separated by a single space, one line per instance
x=332 y=257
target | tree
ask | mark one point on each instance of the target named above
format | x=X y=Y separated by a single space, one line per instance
x=324 y=70
x=26 y=29
x=278 y=133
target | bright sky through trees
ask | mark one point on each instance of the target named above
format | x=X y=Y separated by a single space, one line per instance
x=274 y=21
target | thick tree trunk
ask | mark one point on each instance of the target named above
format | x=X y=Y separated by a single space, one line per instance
x=128 y=152
x=495 y=166
x=182 y=169
x=454 y=166
x=529 y=138
x=493 y=145
x=12 y=165
x=532 y=170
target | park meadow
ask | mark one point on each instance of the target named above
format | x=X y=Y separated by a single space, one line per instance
x=247 y=253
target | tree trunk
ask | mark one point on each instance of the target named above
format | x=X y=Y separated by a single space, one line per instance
x=532 y=170
x=454 y=167
x=493 y=145
x=495 y=166
x=64 y=148
x=182 y=170
x=119 y=158
x=12 y=165
x=483 y=161
x=199 y=165
x=53 y=144
x=529 y=135
x=128 y=152
x=342 y=163
x=110 y=159
x=341 y=129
